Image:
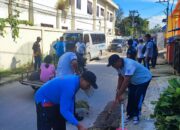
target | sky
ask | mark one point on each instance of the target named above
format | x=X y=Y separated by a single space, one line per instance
x=148 y=9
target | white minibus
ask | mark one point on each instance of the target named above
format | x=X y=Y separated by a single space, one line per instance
x=95 y=41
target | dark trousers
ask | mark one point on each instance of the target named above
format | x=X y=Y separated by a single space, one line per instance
x=37 y=62
x=147 y=62
x=49 y=117
x=153 y=61
x=136 y=95
x=140 y=60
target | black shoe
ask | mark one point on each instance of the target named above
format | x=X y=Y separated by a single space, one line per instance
x=128 y=118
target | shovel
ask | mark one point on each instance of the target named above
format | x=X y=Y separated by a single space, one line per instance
x=122 y=119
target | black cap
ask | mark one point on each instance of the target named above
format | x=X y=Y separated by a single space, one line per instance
x=90 y=77
x=113 y=59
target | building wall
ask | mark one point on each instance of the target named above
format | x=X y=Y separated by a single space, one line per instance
x=45 y=12
x=11 y=52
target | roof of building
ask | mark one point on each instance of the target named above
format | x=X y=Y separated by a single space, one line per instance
x=112 y=3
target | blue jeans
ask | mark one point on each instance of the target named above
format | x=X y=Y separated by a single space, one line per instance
x=37 y=62
x=49 y=117
x=136 y=95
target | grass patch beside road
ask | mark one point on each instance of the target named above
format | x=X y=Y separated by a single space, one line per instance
x=6 y=73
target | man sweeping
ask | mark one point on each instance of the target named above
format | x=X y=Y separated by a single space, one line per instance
x=136 y=78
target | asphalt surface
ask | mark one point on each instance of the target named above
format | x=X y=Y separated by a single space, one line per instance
x=17 y=110
x=17 y=107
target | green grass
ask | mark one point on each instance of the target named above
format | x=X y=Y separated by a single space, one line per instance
x=6 y=73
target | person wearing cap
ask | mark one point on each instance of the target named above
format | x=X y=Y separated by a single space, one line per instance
x=136 y=78
x=148 y=50
x=59 y=47
x=131 y=52
x=37 y=53
x=55 y=100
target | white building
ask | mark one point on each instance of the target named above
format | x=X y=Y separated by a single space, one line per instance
x=81 y=14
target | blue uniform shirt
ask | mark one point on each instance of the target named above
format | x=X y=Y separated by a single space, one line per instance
x=139 y=74
x=64 y=65
x=60 y=91
x=59 y=47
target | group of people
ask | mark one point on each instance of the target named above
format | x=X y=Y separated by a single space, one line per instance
x=143 y=51
x=56 y=98
x=69 y=58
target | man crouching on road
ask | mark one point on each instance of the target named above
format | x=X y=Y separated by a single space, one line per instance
x=55 y=100
x=134 y=76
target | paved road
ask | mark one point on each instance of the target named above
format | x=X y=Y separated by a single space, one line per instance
x=17 y=108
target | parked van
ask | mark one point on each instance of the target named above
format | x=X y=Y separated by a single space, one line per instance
x=95 y=41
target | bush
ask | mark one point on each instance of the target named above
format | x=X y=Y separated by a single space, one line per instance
x=167 y=109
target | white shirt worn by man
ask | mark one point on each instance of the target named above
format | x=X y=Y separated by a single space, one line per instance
x=64 y=65
x=139 y=74
x=81 y=47
x=139 y=51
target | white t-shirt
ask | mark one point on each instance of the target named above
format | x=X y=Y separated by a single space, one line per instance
x=80 y=47
x=139 y=74
x=64 y=65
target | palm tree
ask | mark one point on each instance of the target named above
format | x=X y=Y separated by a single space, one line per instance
x=63 y=5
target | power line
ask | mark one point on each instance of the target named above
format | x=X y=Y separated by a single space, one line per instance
x=160 y=12
x=167 y=8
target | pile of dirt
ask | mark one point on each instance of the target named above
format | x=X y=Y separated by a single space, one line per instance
x=106 y=120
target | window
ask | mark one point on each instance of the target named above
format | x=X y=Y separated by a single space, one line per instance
x=64 y=27
x=86 y=38
x=98 y=38
x=111 y=17
x=46 y=25
x=102 y=12
x=78 y=4
x=72 y=37
x=89 y=7
x=107 y=16
x=97 y=11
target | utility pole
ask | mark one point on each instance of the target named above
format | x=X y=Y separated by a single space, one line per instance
x=167 y=10
x=133 y=14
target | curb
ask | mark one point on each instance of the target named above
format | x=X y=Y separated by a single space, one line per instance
x=9 y=80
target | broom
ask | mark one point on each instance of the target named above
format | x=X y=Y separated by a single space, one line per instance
x=122 y=119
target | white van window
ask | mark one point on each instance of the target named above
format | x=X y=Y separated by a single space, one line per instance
x=73 y=37
x=86 y=38
x=98 y=38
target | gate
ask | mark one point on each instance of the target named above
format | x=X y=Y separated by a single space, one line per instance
x=176 y=59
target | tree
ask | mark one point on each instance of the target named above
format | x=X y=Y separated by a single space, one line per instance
x=157 y=28
x=119 y=17
x=63 y=5
x=140 y=26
